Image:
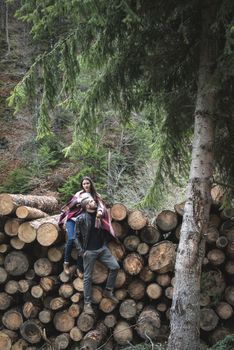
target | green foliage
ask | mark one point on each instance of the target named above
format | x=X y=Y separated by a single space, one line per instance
x=225 y=344
x=19 y=181
x=146 y=346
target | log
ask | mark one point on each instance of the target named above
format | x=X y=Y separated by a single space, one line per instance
x=117 y=249
x=45 y=316
x=121 y=294
x=57 y=303
x=208 y=319
x=119 y=229
x=4 y=248
x=167 y=220
x=146 y=274
x=76 y=334
x=107 y=305
x=16 y=243
x=227 y=213
x=11 y=227
x=143 y=248
x=154 y=291
x=110 y=320
x=12 y=320
x=179 y=208
x=96 y=294
x=37 y=292
x=63 y=322
x=123 y=333
x=148 y=323
x=5 y=341
x=217 y=194
x=128 y=309
x=30 y=230
x=5 y=301
x=137 y=220
x=216 y=257
x=163 y=279
x=62 y=341
x=136 y=289
x=31 y=331
x=30 y=213
x=75 y=298
x=215 y=220
x=16 y=263
x=43 y=267
x=213 y=283
x=30 y=310
x=78 y=284
x=66 y=290
x=162 y=257
x=212 y=235
x=131 y=242
x=161 y=307
x=3 y=275
x=24 y=285
x=74 y=310
x=11 y=287
x=221 y=242
x=13 y=335
x=169 y=292
x=10 y=202
x=2 y=258
x=230 y=249
x=204 y=299
x=55 y=254
x=85 y=322
x=94 y=338
x=120 y=278
x=219 y=334
x=20 y=344
x=118 y=212
x=133 y=264
x=3 y=237
x=229 y=295
x=48 y=283
x=224 y=310
x=229 y=267
x=100 y=273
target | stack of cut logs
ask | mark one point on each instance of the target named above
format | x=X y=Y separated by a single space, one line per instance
x=41 y=306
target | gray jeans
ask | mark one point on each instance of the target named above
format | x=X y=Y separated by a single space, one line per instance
x=104 y=255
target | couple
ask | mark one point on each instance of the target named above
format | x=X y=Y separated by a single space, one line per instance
x=87 y=223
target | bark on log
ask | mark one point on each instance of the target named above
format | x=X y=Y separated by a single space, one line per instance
x=12 y=320
x=118 y=212
x=133 y=264
x=137 y=220
x=167 y=220
x=63 y=322
x=16 y=263
x=208 y=319
x=30 y=213
x=94 y=338
x=128 y=309
x=31 y=331
x=148 y=323
x=123 y=333
x=10 y=202
x=162 y=257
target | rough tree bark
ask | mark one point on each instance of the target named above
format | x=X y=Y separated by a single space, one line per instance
x=185 y=311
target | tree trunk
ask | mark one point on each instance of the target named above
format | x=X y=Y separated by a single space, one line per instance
x=185 y=310
x=29 y=213
x=10 y=202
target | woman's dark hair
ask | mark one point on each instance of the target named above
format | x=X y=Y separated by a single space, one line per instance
x=92 y=188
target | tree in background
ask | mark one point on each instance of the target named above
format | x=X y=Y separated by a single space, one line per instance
x=175 y=56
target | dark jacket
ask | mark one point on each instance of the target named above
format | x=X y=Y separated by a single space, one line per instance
x=82 y=232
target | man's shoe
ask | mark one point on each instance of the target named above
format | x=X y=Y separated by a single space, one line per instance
x=66 y=268
x=88 y=309
x=109 y=294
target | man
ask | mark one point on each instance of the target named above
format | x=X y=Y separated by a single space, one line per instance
x=90 y=239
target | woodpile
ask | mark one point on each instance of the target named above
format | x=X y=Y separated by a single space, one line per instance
x=42 y=306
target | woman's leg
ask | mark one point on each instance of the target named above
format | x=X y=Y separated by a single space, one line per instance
x=70 y=224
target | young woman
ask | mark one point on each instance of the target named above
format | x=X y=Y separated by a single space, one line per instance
x=70 y=212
